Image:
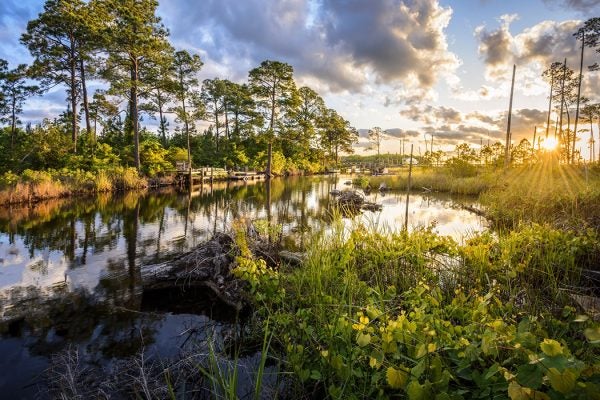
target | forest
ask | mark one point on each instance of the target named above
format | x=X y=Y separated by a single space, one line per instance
x=122 y=47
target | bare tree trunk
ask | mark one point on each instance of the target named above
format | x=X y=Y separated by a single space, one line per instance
x=562 y=103
x=533 y=143
x=508 y=132
x=593 y=149
x=599 y=137
x=550 y=105
x=134 y=114
x=568 y=138
x=271 y=134
x=187 y=134
x=162 y=126
x=13 y=123
x=73 y=96
x=217 y=126
x=226 y=122
x=408 y=188
x=578 y=97
x=86 y=108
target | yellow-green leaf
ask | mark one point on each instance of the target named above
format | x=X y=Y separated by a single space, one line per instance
x=415 y=391
x=561 y=382
x=372 y=362
x=592 y=334
x=396 y=378
x=551 y=347
x=518 y=392
x=431 y=347
x=363 y=339
x=421 y=350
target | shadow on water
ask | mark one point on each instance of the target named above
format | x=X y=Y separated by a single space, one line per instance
x=71 y=270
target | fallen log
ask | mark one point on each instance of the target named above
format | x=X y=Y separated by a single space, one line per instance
x=207 y=266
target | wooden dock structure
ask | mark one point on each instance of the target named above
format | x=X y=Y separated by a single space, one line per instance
x=245 y=175
x=197 y=176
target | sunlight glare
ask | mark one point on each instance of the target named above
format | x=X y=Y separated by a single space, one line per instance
x=550 y=144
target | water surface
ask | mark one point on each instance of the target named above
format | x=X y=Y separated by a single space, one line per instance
x=70 y=270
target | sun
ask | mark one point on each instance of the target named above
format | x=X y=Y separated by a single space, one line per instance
x=550 y=144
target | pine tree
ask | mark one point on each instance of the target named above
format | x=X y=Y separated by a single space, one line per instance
x=136 y=40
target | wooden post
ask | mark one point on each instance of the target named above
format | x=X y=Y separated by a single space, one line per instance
x=408 y=188
x=550 y=102
x=533 y=143
x=508 y=133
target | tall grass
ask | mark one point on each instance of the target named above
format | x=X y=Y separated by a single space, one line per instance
x=32 y=186
x=442 y=179
x=561 y=195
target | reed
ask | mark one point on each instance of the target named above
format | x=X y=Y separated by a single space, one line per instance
x=33 y=186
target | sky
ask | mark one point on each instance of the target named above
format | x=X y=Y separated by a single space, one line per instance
x=415 y=68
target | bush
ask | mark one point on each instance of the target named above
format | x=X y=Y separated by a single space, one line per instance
x=128 y=178
x=460 y=168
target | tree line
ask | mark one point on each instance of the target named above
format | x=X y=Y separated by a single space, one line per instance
x=267 y=122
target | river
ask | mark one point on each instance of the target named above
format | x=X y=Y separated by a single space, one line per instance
x=70 y=270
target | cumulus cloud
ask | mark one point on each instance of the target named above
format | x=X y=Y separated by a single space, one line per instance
x=402 y=133
x=533 y=49
x=477 y=127
x=431 y=114
x=341 y=45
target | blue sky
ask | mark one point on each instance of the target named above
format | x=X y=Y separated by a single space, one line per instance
x=413 y=67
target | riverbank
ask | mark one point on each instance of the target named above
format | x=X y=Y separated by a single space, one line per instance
x=34 y=186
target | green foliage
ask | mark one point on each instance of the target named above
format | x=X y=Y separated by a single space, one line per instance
x=264 y=281
x=154 y=158
x=416 y=315
x=460 y=168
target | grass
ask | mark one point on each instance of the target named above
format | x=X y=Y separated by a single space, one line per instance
x=564 y=196
x=33 y=186
x=437 y=179
x=376 y=314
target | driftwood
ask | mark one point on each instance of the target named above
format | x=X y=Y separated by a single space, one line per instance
x=208 y=266
x=291 y=257
x=354 y=201
x=475 y=211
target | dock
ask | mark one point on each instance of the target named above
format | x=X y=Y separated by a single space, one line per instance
x=245 y=175
x=201 y=175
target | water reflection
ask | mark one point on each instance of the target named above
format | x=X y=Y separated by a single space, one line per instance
x=71 y=270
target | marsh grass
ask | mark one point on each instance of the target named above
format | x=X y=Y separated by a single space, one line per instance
x=564 y=196
x=442 y=179
x=561 y=195
x=33 y=186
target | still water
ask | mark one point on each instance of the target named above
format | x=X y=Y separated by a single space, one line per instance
x=70 y=270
